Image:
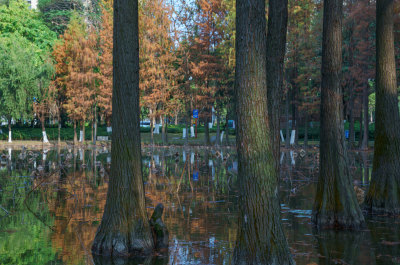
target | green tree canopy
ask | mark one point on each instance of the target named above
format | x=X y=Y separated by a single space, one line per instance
x=18 y=18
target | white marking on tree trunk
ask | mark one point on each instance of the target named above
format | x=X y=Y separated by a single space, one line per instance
x=192 y=131
x=45 y=140
x=184 y=133
x=9 y=137
x=292 y=136
x=282 y=138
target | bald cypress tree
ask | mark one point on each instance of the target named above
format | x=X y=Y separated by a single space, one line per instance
x=260 y=237
x=384 y=192
x=276 y=46
x=335 y=204
x=124 y=229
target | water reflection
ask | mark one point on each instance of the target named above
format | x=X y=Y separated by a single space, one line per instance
x=52 y=201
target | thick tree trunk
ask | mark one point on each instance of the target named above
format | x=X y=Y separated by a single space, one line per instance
x=336 y=203
x=260 y=238
x=75 y=136
x=364 y=143
x=276 y=47
x=384 y=192
x=125 y=229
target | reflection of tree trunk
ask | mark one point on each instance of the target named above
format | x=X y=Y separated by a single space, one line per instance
x=260 y=238
x=336 y=204
x=384 y=192
x=124 y=229
x=343 y=246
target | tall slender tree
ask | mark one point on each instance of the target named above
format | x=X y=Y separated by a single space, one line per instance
x=260 y=237
x=124 y=229
x=276 y=44
x=384 y=192
x=335 y=204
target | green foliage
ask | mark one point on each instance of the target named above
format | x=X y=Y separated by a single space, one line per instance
x=18 y=18
x=57 y=13
x=18 y=72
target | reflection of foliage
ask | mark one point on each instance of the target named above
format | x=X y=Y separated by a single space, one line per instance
x=23 y=238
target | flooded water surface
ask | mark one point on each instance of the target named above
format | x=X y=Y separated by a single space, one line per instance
x=51 y=203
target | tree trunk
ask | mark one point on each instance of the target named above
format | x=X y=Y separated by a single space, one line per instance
x=276 y=47
x=95 y=126
x=83 y=132
x=364 y=144
x=305 y=143
x=151 y=131
x=217 y=139
x=9 y=130
x=287 y=139
x=351 y=121
x=176 y=118
x=125 y=229
x=336 y=203
x=206 y=132
x=227 y=130
x=260 y=238
x=75 y=136
x=164 y=132
x=45 y=140
x=59 y=130
x=384 y=192
x=360 y=135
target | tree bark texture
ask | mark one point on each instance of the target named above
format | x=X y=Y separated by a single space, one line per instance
x=125 y=229
x=260 y=238
x=276 y=48
x=384 y=192
x=336 y=203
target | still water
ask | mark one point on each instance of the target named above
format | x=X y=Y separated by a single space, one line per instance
x=51 y=202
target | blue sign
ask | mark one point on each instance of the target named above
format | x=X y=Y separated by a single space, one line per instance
x=195 y=175
x=346 y=133
x=195 y=113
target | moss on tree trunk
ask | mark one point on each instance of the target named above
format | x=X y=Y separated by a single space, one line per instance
x=260 y=238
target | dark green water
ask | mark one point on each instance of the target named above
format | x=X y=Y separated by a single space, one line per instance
x=51 y=204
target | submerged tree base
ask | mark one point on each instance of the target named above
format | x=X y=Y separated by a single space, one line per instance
x=333 y=220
